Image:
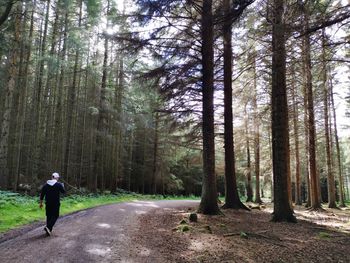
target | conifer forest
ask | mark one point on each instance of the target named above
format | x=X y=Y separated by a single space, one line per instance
x=244 y=99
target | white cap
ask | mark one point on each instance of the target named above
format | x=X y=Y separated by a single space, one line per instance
x=55 y=175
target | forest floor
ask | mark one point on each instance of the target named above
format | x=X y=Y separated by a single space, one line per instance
x=159 y=231
x=245 y=236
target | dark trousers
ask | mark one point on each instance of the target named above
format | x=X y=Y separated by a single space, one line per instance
x=52 y=213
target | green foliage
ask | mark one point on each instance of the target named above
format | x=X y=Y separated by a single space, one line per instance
x=187 y=169
x=183 y=222
x=93 y=9
x=324 y=235
x=243 y=235
x=183 y=228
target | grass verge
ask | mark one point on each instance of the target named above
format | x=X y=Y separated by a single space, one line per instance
x=17 y=210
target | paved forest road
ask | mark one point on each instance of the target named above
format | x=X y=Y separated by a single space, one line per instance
x=101 y=234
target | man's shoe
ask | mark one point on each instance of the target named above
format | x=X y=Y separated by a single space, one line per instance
x=47 y=230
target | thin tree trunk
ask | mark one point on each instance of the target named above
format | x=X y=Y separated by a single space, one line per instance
x=315 y=194
x=306 y=130
x=51 y=88
x=144 y=162
x=155 y=154
x=118 y=107
x=231 y=194
x=17 y=105
x=58 y=131
x=341 y=181
x=330 y=175
x=249 y=168
x=71 y=103
x=256 y=134
x=102 y=117
x=298 y=200
x=270 y=155
x=130 y=155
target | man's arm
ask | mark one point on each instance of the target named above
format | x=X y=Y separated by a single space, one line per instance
x=62 y=190
x=42 y=194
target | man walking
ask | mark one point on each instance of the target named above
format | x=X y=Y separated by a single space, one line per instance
x=51 y=191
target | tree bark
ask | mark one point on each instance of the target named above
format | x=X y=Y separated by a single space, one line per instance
x=5 y=181
x=249 y=168
x=306 y=130
x=315 y=194
x=330 y=175
x=22 y=112
x=231 y=194
x=280 y=131
x=71 y=103
x=155 y=154
x=208 y=204
x=101 y=122
x=341 y=180
x=38 y=126
x=256 y=134
x=298 y=200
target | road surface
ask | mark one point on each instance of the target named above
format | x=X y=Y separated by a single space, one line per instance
x=101 y=234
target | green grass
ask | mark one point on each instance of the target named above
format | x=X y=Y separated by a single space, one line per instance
x=17 y=210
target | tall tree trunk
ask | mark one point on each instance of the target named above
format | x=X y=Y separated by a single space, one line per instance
x=280 y=131
x=330 y=175
x=118 y=107
x=155 y=154
x=102 y=118
x=208 y=204
x=298 y=200
x=22 y=112
x=269 y=133
x=47 y=109
x=306 y=130
x=231 y=193
x=5 y=181
x=51 y=88
x=130 y=157
x=315 y=194
x=341 y=181
x=256 y=133
x=144 y=154
x=37 y=125
x=71 y=103
x=17 y=104
x=249 y=168
x=58 y=131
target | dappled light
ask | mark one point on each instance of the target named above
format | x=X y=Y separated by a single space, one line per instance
x=103 y=225
x=144 y=204
x=98 y=250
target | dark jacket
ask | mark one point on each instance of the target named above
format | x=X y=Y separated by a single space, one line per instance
x=51 y=191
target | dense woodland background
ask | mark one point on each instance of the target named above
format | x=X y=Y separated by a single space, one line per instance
x=109 y=94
